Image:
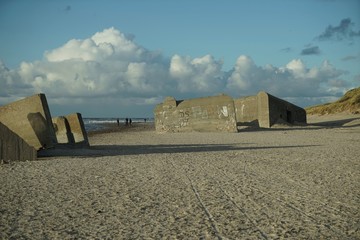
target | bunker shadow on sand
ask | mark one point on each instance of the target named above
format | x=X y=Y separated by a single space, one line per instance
x=122 y=150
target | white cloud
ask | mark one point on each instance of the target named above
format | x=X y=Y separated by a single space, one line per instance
x=11 y=84
x=199 y=74
x=107 y=64
x=242 y=77
x=101 y=46
x=146 y=78
x=292 y=80
x=111 y=67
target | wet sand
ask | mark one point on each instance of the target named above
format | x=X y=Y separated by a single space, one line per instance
x=300 y=182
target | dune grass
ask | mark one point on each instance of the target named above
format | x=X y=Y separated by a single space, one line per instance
x=350 y=102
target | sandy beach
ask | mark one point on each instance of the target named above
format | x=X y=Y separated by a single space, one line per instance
x=300 y=182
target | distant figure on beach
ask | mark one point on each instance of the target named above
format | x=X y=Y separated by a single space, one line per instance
x=145 y=120
x=126 y=121
x=130 y=121
x=118 y=122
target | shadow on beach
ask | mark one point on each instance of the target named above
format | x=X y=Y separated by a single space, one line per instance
x=321 y=123
x=350 y=122
x=118 y=150
x=340 y=123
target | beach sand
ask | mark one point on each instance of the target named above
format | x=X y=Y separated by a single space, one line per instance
x=300 y=182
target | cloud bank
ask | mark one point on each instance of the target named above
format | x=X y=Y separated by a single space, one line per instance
x=110 y=68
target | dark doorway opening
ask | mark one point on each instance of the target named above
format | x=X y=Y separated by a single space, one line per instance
x=289 y=116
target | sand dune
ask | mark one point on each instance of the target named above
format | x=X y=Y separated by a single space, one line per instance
x=286 y=182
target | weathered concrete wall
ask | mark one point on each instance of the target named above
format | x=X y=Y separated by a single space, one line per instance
x=208 y=114
x=246 y=109
x=263 y=110
x=14 y=148
x=281 y=110
x=267 y=110
x=164 y=115
x=30 y=119
x=218 y=113
x=62 y=130
x=77 y=129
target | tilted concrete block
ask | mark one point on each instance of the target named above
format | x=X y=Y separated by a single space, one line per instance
x=14 y=148
x=62 y=130
x=30 y=119
x=77 y=129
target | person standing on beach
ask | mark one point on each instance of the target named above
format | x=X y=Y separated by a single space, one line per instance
x=130 y=121
x=118 y=122
x=126 y=121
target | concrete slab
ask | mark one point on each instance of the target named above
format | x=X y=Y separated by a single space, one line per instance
x=13 y=147
x=77 y=129
x=62 y=130
x=30 y=119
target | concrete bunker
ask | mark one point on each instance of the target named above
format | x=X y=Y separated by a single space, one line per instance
x=223 y=114
x=265 y=110
x=214 y=114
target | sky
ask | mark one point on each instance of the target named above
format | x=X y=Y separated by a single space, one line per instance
x=120 y=58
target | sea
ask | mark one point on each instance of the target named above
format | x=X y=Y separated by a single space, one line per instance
x=95 y=124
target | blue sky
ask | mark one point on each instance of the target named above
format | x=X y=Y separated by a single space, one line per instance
x=120 y=58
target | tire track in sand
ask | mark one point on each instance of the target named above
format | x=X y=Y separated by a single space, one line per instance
x=201 y=202
x=284 y=203
x=243 y=210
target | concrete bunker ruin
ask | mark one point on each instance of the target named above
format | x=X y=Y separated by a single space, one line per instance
x=13 y=147
x=70 y=129
x=214 y=114
x=223 y=113
x=26 y=126
x=30 y=119
x=265 y=110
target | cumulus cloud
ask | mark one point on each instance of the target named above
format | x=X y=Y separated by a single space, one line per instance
x=315 y=50
x=106 y=64
x=11 y=83
x=343 y=31
x=294 y=79
x=108 y=44
x=196 y=75
x=110 y=68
